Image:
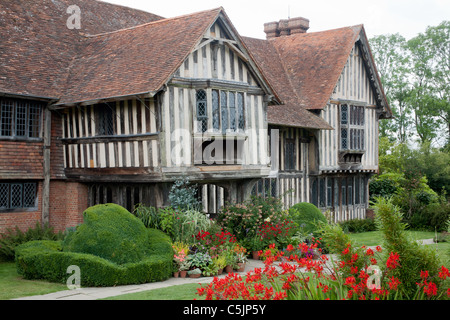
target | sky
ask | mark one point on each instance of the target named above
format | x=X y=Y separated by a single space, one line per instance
x=406 y=17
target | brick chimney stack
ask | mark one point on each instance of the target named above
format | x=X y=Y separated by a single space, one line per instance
x=286 y=27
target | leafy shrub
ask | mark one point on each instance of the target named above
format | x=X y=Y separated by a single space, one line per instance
x=413 y=257
x=46 y=260
x=245 y=220
x=111 y=232
x=183 y=196
x=13 y=238
x=307 y=216
x=358 y=225
x=112 y=247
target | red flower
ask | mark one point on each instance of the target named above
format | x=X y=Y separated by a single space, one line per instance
x=424 y=275
x=350 y=281
x=378 y=248
x=369 y=252
x=392 y=261
x=393 y=283
x=443 y=274
x=430 y=289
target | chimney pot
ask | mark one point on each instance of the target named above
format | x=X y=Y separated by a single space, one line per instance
x=271 y=29
x=298 y=25
x=286 y=27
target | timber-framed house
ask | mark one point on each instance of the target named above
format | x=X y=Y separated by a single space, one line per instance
x=120 y=106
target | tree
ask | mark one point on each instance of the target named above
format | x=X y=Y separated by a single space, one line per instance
x=430 y=73
x=391 y=58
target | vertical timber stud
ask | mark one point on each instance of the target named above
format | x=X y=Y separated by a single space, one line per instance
x=46 y=165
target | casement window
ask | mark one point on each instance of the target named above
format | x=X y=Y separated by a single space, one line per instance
x=20 y=118
x=18 y=195
x=202 y=111
x=352 y=128
x=328 y=192
x=227 y=111
x=105 y=120
x=289 y=155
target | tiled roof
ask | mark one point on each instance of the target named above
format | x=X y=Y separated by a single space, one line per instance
x=304 y=70
x=136 y=60
x=36 y=47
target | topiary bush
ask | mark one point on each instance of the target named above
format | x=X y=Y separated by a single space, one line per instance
x=307 y=216
x=111 y=232
x=99 y=248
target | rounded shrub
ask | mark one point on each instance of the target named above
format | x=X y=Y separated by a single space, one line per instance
x=112 y=247
x=111 y=232
x=306 y=216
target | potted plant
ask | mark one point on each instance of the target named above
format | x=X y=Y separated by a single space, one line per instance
x=240 y=257
x=179 y=257
x=195 y=273
x=256 y=245
x=184 y=268
x=221 y=262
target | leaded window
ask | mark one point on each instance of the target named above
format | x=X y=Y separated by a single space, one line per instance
x=227 y=110
x=224 y=108
x=352 y=127
x=202 y=111
x=105 y=120
x=216 y=110
x=241 y=117
x=17 y=195
x=20 y=118
x=289 y=154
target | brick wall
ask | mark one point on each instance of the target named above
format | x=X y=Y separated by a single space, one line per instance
x=68 y=200
x=21 y=159
x=22 y=219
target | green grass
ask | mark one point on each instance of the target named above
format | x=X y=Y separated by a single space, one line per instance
x=179 y=292
x=14 y=286
x=375 y=238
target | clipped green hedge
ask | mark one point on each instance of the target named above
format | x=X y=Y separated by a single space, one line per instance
x=112 y=247
x=111 y=232
x=306 y=216
x=46 y=260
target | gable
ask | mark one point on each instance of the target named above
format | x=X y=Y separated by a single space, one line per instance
x=222 y=57
x=354 y=83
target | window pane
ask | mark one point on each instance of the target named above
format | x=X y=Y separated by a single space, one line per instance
x=344 y=139
x=4 y=195
x=34 y=120
x=241 y=118
x=232 y=104
x=21 y=119
x=329 y=191
x=224 y=109
x=215 y=110
x=289 y=154
x=29 y=195
x=202 y=116
x=6 y=118
x=16 y=196
x=344 y=114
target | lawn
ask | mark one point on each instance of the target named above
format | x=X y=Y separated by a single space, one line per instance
x=14 y=286
x=179 y=292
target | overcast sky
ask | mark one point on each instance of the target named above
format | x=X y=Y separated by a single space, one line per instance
x=407 y=17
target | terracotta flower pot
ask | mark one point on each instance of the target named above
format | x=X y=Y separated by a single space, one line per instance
x=241 y=267
x=228 y=269
x=219 y=272
x=255 y=255
x=176 y=274
x=183 y=274
x=194 y=275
